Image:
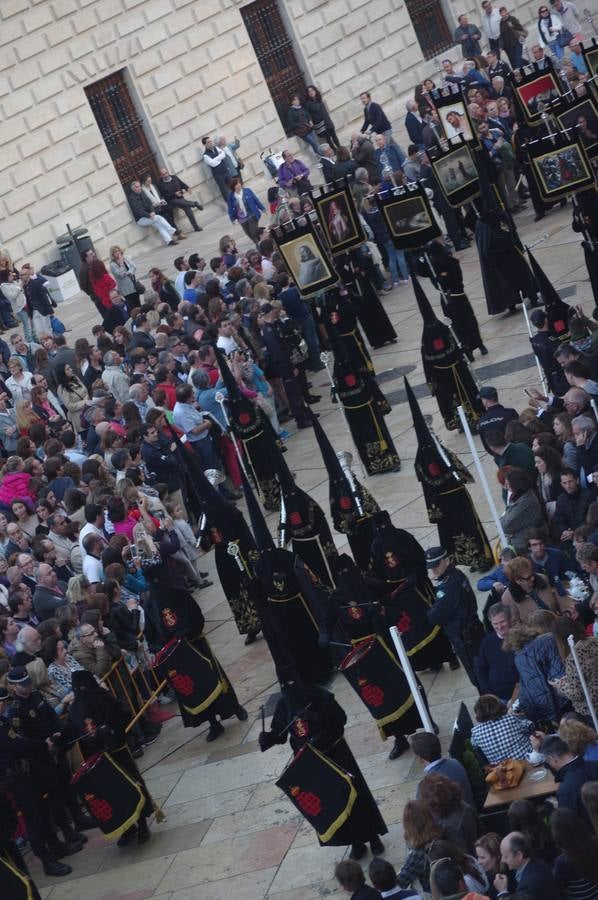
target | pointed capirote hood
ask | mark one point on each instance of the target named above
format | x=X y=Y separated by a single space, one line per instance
x=419 y=423
x=431 y=457
x=425 y=307
x=331 y=460
x=263 y=537
x=557 y=310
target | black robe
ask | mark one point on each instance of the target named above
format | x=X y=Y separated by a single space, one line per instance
x=505 y=272
x=451 y=509
x=180 y=617
x=398 y=562
x=296 y=604
x=98 y=719
x=338 y=312
x=448 y=375
x=354 y=614
x=448 y=278
x=355 y=271
x=321 y=721
x=364 y=411
x=225 y=524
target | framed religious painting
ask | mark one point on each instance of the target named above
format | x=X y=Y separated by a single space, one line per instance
x=451 y=106
x=338 y=218
x=535 y=89
x=304 y=255
x=560 y=165
x=580 y=116
x=589 y=51
x=456 y=172
x=408 y=216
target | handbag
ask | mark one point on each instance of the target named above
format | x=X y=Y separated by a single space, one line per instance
x=240 y=163
x=564 y=37
x=57 y=325
x=139 y=286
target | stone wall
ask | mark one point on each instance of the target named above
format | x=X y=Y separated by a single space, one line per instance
x=194 y=72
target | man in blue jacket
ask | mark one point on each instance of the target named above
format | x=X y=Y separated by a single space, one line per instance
x=374 y=118
x=389 y=156
x=495 y=667
x=533 y=876
x=570 y=771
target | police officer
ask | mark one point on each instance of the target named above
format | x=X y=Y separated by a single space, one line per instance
x=38 y=786
x=455 y=608
x=495 y=417
x=18 y=755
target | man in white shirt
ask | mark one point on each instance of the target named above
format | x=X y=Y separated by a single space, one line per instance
x=92 y=563
x=216 y=159
x=181 y=264
x=491 y=25
x=94 y=520
x=226 y=340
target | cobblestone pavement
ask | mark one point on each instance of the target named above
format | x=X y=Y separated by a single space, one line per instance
x=229 y=832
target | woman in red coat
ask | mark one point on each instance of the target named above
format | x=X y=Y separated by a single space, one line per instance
x=102 y=282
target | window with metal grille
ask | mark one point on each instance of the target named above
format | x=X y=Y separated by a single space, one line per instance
x=431 y=28
x=121 y=127
x=275 y=54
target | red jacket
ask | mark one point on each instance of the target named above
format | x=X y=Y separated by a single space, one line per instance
x=102 y=288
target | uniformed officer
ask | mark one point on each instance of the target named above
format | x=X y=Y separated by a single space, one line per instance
x=35 y=781
x=17 y=761
x=455 y=608
x=495 y=417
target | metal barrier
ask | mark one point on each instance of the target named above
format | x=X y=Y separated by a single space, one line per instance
x=138 y=689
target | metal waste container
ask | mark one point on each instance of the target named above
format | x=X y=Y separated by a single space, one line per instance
x=71 y=247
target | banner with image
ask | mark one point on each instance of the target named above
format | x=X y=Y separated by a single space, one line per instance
x=304 y=255
x=451 y=106
x=338 y=217
x=589 y=50
x=456 y=171
x=408 y=216
x=580 y=114
x=535 y=88
x=560 y=165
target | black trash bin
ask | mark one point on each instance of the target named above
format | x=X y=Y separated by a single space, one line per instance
x=55 y=268
x=70 y=251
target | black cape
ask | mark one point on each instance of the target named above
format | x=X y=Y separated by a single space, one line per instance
x=447 y=499
x=447 y=277
x=248 y=426
x=448 y=375
x=399 y=563
x=365 y=407
x=321 y=721
x=351 y=506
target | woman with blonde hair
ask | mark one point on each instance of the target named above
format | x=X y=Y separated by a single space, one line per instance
x=123 y=271
x=527 y=591
x=581 y=739
x=26 y=416
x=20 y=382
x=420 y=832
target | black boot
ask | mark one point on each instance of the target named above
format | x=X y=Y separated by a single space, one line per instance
x=56 y=869
x=242 y=714
x=143 y=832
x=127 y=837
x=483 y=349
x=376 y=846
x=216 y=729
x=357 y=851
x=401 y=744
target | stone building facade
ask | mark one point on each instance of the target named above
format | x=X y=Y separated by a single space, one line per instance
x=191 y=70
